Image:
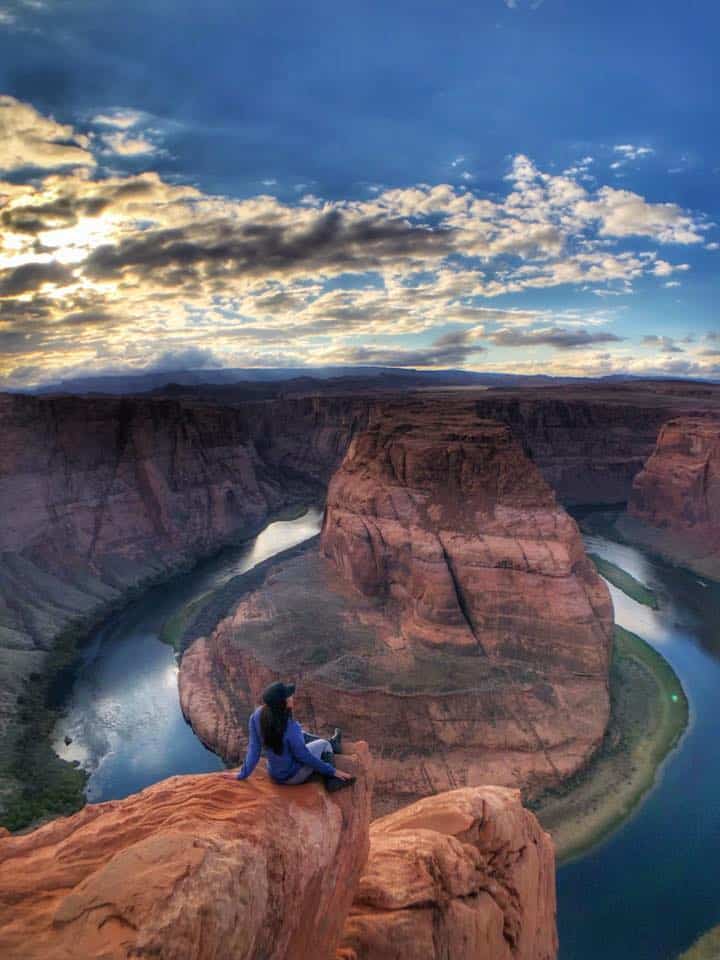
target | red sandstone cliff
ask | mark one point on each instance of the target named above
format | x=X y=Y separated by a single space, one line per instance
x=675 y=502
x=450 y=521
x=452 y=618
x=193 y=868
x=466 y=874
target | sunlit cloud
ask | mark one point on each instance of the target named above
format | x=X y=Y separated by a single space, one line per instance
x=99 y=269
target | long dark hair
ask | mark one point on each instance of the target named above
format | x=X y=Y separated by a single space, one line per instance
x=273 y=724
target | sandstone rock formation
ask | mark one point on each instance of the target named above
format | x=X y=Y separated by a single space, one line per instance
x=193 y=868
x=675 y=502
x=452 y=524
x=452 y=618
x=467 y=875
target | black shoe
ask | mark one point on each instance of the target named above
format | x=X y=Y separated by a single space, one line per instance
x=336 y=740
x=333 y=784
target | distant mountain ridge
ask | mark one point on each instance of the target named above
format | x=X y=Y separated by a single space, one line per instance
x=300 y=377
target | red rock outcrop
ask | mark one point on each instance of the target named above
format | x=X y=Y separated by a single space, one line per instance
x=452 y=619
x=675 y=502
x=193 y=868
x=465 y=875
x=452 y=524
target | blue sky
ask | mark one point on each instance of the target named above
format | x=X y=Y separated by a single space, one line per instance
x=507 y=185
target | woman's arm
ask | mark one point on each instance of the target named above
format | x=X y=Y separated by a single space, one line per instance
x=301 y=752
x=253 y=751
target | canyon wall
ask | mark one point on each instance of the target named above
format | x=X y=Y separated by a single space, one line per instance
x=100 y=495
x=675 y=504
x=465 y=874
x=588 y=443
x=451 y=618
x=193 y=868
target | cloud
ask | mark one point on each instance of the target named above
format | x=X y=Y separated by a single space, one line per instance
x=629 y=151
x=127 y=146
x=328 y=239
x=662 y=343
x=559 y=337
x=33 y=276
x=96 y=266
x=195 y=358
x=449 y=350
x=28 y=139
x=621 y=213
x=122 y=118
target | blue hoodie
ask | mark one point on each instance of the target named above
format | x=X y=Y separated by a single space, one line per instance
x=285 y=765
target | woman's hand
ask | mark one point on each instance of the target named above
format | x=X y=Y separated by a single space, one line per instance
x=342 y=774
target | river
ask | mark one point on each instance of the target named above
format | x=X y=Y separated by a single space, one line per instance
x=122 y=713
x=651 y=889
x=645 y=894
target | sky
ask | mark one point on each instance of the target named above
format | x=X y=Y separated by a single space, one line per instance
x=528 y=186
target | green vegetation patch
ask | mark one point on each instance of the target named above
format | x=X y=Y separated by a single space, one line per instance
x=44 y=786
x=175 y=627
x=706 y=948
x=649 y=713
x=624 y=581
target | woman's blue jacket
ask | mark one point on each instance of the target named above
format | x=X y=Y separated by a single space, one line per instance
x=285 y=765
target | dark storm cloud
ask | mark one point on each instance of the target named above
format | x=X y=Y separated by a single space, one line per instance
x=31 y=276
x=560 y=337
x=450 y=349
x=62 y=212
x=223 y=248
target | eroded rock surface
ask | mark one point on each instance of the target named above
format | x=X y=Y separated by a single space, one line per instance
x=451 y=618
x=467 y=875
x=193 y=868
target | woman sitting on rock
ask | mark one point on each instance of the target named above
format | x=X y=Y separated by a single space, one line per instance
x=292 y=755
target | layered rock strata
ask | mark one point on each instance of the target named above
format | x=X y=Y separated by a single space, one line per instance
x=588 y=444
x=193 y=868
x=467 y=874
x=675 y=502
x=451 y=618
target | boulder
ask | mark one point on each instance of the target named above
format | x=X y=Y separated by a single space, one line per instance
x=467 y=875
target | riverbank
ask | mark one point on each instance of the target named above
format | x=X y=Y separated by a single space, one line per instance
x=706 y=948
x=624 y=581
x=208 y=606
x=649 y=713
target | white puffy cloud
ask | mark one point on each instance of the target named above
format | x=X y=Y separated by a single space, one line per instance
x=29 y=139
x=127 y=146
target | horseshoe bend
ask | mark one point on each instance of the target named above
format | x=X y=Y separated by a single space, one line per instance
x=448 y=615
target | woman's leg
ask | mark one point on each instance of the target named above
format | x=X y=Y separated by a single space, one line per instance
x=335 y=740
x=316 y=748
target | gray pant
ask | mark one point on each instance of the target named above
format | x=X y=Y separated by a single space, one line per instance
x=316 y=748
